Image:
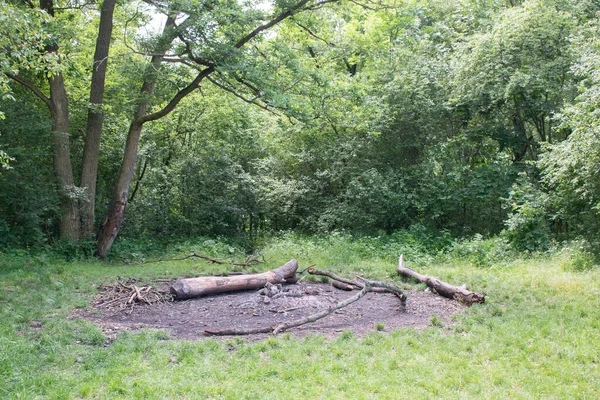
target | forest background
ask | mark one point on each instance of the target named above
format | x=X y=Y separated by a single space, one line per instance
x=464 y=119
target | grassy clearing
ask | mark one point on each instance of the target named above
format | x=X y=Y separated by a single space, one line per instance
x=537 y=337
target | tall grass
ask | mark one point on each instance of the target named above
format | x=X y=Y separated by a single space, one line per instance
x=536 y=337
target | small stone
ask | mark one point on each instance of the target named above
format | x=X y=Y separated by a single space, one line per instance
x=267 y=300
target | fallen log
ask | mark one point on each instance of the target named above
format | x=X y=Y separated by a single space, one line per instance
x=460 y=294
x=194 y=287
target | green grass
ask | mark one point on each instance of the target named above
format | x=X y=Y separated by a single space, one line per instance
x=536 y=337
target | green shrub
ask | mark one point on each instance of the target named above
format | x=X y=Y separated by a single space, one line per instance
x=527 y=228
x=480 y=252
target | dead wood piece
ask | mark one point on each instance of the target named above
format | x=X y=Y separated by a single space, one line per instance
x=292 y=324
x=342 y=286
x=283 y=311
x=314 y=271
x=460 y=294
x=376 y=286
x=195 y=287
x=388 y=288
x=323 y=313
x=119 y=296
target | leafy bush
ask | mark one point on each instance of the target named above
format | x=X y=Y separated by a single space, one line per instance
x=571 y=168
x=527 y=228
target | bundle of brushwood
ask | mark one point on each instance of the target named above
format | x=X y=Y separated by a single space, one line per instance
x=124 y=295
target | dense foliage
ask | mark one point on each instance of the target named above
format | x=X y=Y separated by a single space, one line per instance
x=463 y=117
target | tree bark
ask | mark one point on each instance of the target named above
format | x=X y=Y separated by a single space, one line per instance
x=444 y=289
x=69 y=218
x=112 y=222
x=63 y=170
x=89 y=169
x=196 y=287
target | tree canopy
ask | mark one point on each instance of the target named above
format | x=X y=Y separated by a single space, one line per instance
x=217 y=117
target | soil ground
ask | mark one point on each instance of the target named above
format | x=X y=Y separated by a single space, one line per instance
x=248 y=309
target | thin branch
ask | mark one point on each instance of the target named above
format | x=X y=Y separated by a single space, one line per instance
x=247 y=84
x=374 y=6
x=323 y=313
x=319 y=5
x=249 y=261
x=190 y=53
x=29 y=85
x=359 y=282
x=314 y=271
x=239 y=96
x=209 y=70
x=273 y=22
x=311 y=33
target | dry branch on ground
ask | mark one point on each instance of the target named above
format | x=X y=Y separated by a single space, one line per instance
x=461 y=294
x=365 y=285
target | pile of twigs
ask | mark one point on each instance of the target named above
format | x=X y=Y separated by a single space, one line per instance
x=121 y=296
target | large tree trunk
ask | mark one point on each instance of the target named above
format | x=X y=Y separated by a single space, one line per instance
x=114 y=217
x=89 y=169
x=59 y=109
x=195 y=287
x=69 y=218
x=112 y=222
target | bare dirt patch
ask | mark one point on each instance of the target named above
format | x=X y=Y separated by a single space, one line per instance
x=248 y=309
